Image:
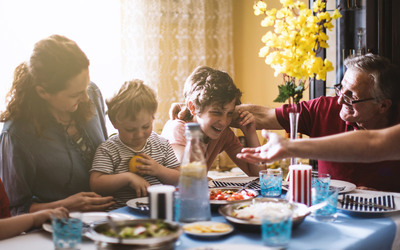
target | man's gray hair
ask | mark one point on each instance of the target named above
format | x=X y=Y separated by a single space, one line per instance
x=384 y=75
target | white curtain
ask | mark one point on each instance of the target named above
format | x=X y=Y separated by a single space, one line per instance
x=164 y=40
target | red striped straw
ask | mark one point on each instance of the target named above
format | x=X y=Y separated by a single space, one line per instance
x=300 y=184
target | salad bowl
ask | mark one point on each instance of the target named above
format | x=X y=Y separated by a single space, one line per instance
x=100 y=233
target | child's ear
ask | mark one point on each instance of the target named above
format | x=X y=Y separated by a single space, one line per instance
x=191 y=108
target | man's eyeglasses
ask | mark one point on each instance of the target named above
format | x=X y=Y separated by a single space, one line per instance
x=348 y=100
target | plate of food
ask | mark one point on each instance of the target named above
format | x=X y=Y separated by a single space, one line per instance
x=207 y=229
x=140 y=233
x=226 y=195
x=90 y=218
x=247 y=214
x=139 y=204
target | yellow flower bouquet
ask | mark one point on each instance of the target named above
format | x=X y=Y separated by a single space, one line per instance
x=291 y=47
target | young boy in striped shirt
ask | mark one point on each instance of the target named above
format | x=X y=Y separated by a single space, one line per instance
x=131 y=111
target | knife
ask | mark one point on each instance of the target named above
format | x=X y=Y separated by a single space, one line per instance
x=248 y=184
x=349 y=200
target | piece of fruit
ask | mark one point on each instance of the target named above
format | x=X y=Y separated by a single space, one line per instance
x=133 y=163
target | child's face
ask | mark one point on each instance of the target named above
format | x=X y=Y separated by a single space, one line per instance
x=134 y=133
x=214 y=119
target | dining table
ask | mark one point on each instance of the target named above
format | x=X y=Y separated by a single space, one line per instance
x=348 y=231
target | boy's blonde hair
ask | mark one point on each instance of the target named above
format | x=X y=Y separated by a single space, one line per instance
x=134 y=96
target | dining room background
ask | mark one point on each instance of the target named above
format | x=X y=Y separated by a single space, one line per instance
x=158 y=41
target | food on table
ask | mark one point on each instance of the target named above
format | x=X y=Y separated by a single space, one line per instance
x=255 y=210
x=230 y=195
x=133 y=163
x=207 y=228
x=141 y=231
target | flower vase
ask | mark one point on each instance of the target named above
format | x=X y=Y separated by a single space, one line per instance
x=294 y=122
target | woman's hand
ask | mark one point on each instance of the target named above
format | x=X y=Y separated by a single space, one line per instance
x=88 y=201
x=139 y=184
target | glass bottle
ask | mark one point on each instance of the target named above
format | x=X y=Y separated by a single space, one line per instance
x=194 y=203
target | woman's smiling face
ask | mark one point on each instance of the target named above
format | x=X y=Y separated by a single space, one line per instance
x=214 y=118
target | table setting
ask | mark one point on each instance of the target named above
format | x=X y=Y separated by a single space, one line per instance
x=361 y=219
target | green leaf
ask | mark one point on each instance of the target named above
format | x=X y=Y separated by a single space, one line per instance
x=290 y=89
x=284 y=93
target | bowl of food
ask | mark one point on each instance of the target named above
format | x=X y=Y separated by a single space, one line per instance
x=247 y=214
x=228 y=195
x=137 y=233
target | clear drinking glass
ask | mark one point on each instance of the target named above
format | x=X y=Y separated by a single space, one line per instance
x=271 y=182
x=321 y=181
x=329 y=212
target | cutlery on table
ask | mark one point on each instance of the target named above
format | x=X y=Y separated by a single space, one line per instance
x=144 y=206
x=337 y=188
x=248 y=184
x=349 y=200
x=340 y=189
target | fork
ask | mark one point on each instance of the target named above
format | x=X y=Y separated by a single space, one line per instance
x=143 y=206
x=248 y=184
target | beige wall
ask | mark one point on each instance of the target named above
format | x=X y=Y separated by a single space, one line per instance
x=254 y=77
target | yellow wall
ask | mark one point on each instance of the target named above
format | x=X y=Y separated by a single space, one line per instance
x=254 y=77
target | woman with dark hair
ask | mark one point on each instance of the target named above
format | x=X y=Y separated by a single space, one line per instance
x=53 y=122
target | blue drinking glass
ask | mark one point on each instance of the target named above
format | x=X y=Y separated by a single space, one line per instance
x=271 y=182
x=276 y=227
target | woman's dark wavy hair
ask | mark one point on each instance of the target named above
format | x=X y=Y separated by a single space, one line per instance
x=207 y=86
x=54 y=61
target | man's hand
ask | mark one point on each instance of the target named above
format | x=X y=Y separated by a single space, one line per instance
x=275 y=149
x=246 y=122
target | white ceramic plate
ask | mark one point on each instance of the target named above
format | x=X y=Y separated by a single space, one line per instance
x=366 y=195
x=230 y=247
x=91 y=217
x=348 y=186
x=132 y=203
x=207 y=223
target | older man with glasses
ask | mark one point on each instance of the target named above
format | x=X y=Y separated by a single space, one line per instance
x=367 y=98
